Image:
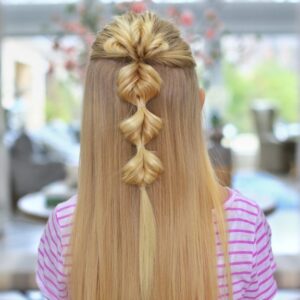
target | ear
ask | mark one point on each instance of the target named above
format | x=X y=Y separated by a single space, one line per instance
x=201 y=96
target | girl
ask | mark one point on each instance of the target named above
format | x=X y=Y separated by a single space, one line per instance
x=150 y=221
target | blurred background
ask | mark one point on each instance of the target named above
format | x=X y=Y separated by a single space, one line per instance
x=248 y=62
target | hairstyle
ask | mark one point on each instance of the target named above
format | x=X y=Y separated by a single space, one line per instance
x=148 y=202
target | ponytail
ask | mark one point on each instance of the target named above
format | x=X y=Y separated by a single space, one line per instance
x=145 y=166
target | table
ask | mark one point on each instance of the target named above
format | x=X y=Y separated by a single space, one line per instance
x=34 y=204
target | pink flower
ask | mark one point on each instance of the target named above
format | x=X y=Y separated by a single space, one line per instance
x=187 y=18
x=138 y=7
x=210 y=14
x=75 y=28
x=70 y=65
x=209 y=33
x=70 y=50
x=89 y=39
x=172 y=11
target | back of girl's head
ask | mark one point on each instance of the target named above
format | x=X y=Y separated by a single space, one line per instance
x=143 y=227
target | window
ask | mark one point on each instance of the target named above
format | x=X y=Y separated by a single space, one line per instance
x=260 y=68
x=43 y=82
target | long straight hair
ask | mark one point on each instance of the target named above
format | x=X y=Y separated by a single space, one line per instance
x=148 y=204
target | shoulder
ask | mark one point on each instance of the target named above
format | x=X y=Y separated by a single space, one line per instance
x=246 y=221
x=241 y=209
x=51 y=274
x=249 y=239
x=64 y=211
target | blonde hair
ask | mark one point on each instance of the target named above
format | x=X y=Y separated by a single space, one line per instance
x=163 y=246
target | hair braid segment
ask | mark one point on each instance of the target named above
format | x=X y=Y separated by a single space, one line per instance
x=143 y=84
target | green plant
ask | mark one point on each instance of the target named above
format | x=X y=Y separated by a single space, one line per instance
x=61 y=102
x=269 y=81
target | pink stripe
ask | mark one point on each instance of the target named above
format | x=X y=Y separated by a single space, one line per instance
x=237 y=231
x=55 y=272
x=263 y=259
x=261 y=238
x=242 y=210
x=236 y=273
x=236 y=263
x=65 y=216
x=51 y=236
x=241 y=231
x=40 y=265
x=66 y=225
x=267 y=289
x=54 y=265
x=239 y=281
x=239 y=242
x=66 y=235
x=264 y=271
x=240 y=220
x=55 y=229
x=237 y=253
x=54 y=284
x=50 y=249
x=263 y=292
x=260 y=284
x=263 y=249
x=253 y=282
x=259 y=226
x=65 y=207
x=45 y=287
x=273 y=293
x=247 y=202
x=49 y=258
x=50 y=270
x=41 y=252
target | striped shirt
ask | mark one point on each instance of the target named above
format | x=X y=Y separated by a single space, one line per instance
x=250 y=254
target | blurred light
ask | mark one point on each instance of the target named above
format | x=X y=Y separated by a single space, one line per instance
x=229 y=131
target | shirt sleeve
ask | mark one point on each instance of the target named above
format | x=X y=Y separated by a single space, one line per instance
x=263 y=285
x=50 y=276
